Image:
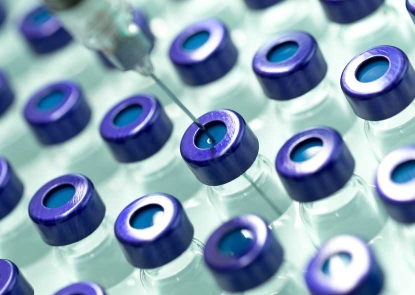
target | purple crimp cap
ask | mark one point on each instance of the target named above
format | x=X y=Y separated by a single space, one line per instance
x=314 y=164
x=395 y=184
x=6 y=93
x=293 y=75
x=11 y=188
x=136 y=128
x=64 y=223
x=362 y=274
x=385 y=96
x=82 y=288
x=12 y=281
x=149 y=241
x=57 y=112
x=203 y=52
x=261 y=4
x=43 y=31
x=349 y=11
x=141 y=21
x=410 y=6
x=229 y=158
x=239 y=268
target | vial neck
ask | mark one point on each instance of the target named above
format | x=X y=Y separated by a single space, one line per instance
x=344 y=212
x=399 y=120
x=88 y=244
x=287 y=280
x=366 y=32
x=257 y=191
x=290 y=13
x=149 y=169
x=183 y=268
x=97 y=258
x=233 y=91
x=84 y=153
x=11 y=223
x=306 y=102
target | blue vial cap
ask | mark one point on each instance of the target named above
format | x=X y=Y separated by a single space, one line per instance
x=153 y=230
x=233 y=152
x=349 y=11
x=7 y=95
x=66 y=210
x=12 y=281
x=136 y=128
x=3 y=14
x=141 y=21
x=395 y=184
x=82 y=288
x=344 y=265
x=410 y=6
x=57 y=112
x=243 y=253
x=378 y=83
x=289 y=65
x=43 y=31
x=261 y=4
x=203 y=52
x=314 y=164
x=11 y=188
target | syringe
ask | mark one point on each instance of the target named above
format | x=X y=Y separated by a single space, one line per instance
x=108 y=26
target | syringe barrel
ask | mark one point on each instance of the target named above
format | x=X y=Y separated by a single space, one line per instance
x=107 y=26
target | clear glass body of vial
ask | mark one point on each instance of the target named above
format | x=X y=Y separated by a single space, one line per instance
x=351 y=210
x=163 y=172
x=387 y=135
x=99 y=258
x=16 y=59
x=186 y=275
x=21 y=244
x=235 y=91
x=382 y=27
x=85 y=153
x=284 y=16
x=288 y=281
x=321 y=106
x=74 y=62
x=264 y=196
x=17 y=144
x=229 y=11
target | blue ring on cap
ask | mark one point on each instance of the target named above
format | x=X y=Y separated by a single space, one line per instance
x=410 y=6
x=11 y=188
x=159 y=243
x=294 y=76
x=261 y=4
x=398 y=198
x=142 y=137
x=63 y=119
x=82 y=288
x=363 y=275
x=322 y=174
x=208 y=62
x=72 y=221
x=43 y=31
x=260 y=262
x=229 y=158
x=349 y=11
x=12 y=281
x=7 y=95
x=141 y=20
x=386 y=96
